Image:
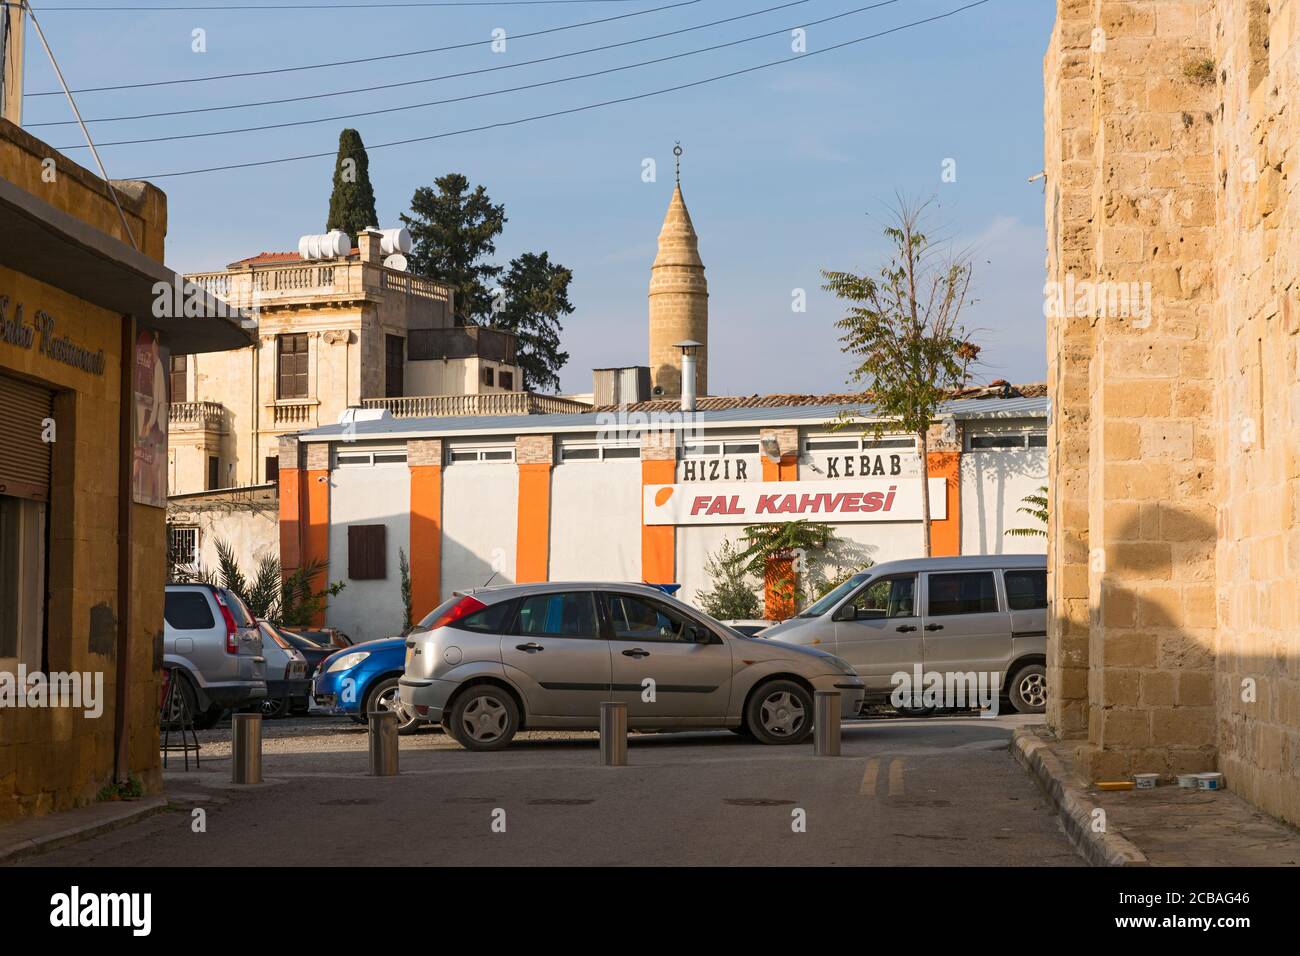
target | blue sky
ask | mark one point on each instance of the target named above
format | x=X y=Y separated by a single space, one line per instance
x=786 y=171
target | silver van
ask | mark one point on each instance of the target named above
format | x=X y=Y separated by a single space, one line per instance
x=213 y=646
x=985 y=615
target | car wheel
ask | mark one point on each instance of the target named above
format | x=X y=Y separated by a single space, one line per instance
x=386 y=695
x=171 y=718
x=1028 y=692
x=484 y=718
x=780 y=712
x=272 y=707
x=916 y=711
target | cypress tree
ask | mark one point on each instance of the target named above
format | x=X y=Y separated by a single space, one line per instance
x=352 y=203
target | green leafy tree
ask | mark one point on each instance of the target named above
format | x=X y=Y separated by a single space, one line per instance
x=536 y=297
x=228 y=573
x=404 y=567
x=802 y=542
x=263 y=597
x=1035 y=506
x=453 y=232
x=732 y=595
x=300 y=602
x=352 y=202
x=903 y=328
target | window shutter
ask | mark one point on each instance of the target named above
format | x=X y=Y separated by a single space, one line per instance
x=367 y=552
x=25 y=459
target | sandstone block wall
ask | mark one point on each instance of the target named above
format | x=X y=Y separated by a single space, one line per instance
x=1175 y=457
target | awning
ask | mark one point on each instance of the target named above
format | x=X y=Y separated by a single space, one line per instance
x=48 y=244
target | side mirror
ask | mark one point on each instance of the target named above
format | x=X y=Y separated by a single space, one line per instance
x=701 y=635
x=848 y=612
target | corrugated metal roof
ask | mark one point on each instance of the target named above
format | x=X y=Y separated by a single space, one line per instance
x=403 y=428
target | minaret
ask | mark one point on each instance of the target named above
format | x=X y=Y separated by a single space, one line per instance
x=679 y=300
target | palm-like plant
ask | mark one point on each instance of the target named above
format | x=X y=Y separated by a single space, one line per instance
x=1035 y=506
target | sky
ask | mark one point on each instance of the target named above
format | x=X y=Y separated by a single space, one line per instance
x=787 y=170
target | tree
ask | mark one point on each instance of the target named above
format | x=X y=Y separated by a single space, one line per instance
x=904 y=328
x=732 y=596
x=536 y=296
x=452 y=232
x=783 y=554
x=404 y=569
x=1035 y=506
x=352 y=203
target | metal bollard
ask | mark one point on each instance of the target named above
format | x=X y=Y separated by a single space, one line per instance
x=383 y=743
x=246 y=748
x=613 y=734
x=826 y=724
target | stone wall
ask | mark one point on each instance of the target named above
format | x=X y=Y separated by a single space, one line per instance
x=52 y=758
x=1172 y=367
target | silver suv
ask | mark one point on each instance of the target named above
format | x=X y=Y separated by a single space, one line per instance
x=490 y=662
x=214 y=648
x=942 y=616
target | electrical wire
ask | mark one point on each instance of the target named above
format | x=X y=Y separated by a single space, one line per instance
x=367 y=59
x=475 y=96
x=428 y=79
x=571 y=110
x=317 y=6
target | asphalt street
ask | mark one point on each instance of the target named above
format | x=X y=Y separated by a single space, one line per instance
x=941 y=790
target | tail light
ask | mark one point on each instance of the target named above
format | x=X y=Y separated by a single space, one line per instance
x=466 y=605
x=232 y=639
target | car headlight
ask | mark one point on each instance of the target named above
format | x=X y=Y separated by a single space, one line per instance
x=844 y=666
x=348 y=661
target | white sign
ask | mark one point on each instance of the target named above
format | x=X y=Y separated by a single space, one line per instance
x=764 y=502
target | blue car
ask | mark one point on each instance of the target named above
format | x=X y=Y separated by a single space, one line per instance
x=363 y=678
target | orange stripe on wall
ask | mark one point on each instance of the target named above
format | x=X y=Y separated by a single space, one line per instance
x=787 y=469
x=533 y=547
x=316 y=538
x=945 y=534
x=658 y=541
x=290 y=518
x=778 y=581
x=426 y=539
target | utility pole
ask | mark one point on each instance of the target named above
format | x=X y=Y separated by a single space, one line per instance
x=12 y=18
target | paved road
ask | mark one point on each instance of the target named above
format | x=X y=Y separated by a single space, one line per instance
x=905 y=792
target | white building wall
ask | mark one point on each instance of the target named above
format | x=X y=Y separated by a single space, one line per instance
x=369 y=494
x=596 y=521
x=479 y=529
x=993 y=484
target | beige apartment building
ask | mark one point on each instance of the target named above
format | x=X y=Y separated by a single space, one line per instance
x=333 y=333
x=1173 y=220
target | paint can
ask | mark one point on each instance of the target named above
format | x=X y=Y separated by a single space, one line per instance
x=1145 y=781
x=1209 y=781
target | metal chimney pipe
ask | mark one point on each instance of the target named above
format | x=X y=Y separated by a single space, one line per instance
x=688 y=348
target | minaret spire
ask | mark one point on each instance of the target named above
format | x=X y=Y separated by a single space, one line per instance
x=679 y=298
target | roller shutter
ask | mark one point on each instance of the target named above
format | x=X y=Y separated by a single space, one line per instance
x=24 y=457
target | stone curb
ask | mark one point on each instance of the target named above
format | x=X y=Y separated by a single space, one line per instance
x=76 y=828
x=1067 y=793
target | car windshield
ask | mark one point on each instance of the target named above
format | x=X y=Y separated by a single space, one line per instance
x=302 y=643
x=818 y=608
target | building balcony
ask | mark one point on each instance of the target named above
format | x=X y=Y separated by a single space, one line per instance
x=291 y=414
x=198 y=416
x=461 y=342
x=491 y=403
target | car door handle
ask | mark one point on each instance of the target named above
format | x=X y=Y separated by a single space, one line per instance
x=636 y=652
x=906 y=627
x=531 y=647
x=934 y=627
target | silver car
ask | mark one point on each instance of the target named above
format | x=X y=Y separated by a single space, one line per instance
x=488 y=663
x=214 y=647
x=941 y=616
